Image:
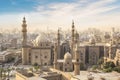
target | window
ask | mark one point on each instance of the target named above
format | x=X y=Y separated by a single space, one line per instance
x=41 y=44
x=29 y=54
x=77 y=60
x=45 y=64
x=47 y=44
x=36 y=56
x=45 y=57
x=65 y=69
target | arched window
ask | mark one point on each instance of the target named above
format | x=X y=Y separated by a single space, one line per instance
x=36 y=57
x=45 y=64
x=45 y=57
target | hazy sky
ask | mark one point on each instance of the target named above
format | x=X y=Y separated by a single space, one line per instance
x=51 y=14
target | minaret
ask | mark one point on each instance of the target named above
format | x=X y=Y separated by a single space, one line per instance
x=110 y=50
x=76 y=38
x=77 y=62
x=73 y=36
x=58 y=44
x=24 y=33
x=55 y=56
x=24 y=43
x=105 y=55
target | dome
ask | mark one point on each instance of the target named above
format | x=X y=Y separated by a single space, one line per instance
x=40 y=39
x=92 y=41
x=67 y=56
x=118 y=51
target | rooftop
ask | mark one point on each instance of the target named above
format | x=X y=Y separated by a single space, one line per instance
x=4 y=53
x=108 y=76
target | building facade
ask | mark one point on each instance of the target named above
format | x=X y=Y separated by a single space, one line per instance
x=41 y=51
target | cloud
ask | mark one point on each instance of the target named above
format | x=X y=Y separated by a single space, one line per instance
x=86 y=13
x=77 y=8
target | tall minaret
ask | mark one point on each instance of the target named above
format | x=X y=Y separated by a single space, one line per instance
x=24 y=43
x=110 y=50
x=58 y=44
x=76 y=38
x=73 y=36
x=24 y=33
x=55 y=56
x=112 y=35
x=77 y=62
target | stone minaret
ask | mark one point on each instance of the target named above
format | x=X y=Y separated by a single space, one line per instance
x=58 y=44
x=105 y=55
x=76 y=38
x=73 y=38
x=24 y=33
x=110 y=50
x=55 y=56
x=77 y=62
x=24 y=43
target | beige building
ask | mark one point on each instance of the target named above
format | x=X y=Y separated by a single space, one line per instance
x=82 y=52
x=117 y=57
x=5 y=56
x=41 y=51
x=71 y=62
x=45 y=75
x=112 y=49
x=93 y=55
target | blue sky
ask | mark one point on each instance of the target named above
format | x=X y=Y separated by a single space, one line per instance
x=59 y=13
x=15 y=6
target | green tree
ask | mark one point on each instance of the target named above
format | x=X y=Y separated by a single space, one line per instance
x=82 y=66
x=117 y=69
x=108 y=65
x=100 y=61
x=94 y=67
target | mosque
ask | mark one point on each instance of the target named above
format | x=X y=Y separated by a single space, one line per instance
x=43 y=53
x=68 y=56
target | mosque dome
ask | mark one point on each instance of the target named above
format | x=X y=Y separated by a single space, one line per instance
x=40 y=39
x=67 y=56
x=92 y=40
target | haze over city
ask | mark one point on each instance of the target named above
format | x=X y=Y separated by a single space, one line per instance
x=59 y=39
x=44 y=14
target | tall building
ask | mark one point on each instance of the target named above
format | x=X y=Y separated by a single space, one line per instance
x=112 y=49
x=41 y=53
x=68 y=63
x=73 y=39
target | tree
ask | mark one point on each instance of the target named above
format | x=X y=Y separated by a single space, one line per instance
x=94 y=67
x=35 y=64
x=36 y=68
x=82 y=66
x=108 y=65
x=117 y=69
x=100 y=61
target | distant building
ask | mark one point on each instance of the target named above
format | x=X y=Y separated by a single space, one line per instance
x=5 y=56
x=14 y=43
x=112 y=49
x=48 y=75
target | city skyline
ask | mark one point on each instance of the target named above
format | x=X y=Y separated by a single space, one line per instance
x=60 y=13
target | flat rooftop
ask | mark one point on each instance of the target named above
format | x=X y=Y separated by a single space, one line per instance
x=4 y=53
x=108 y=76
